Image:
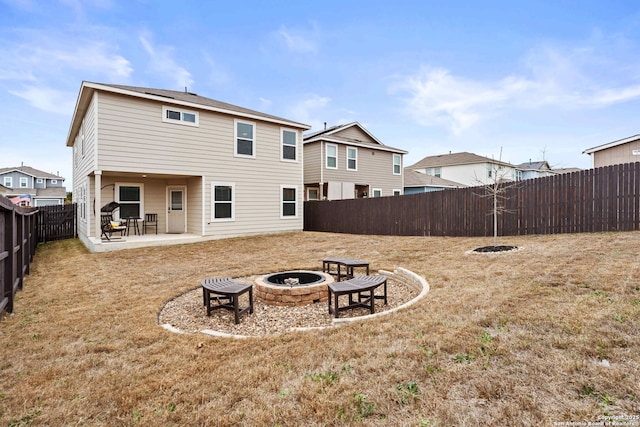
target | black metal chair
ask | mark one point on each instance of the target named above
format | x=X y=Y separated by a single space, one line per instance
x=150 y=220
x=109 y=226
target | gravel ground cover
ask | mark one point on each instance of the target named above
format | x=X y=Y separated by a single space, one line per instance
x=187 y=314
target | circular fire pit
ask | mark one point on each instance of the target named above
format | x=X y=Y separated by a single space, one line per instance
x=293 y=288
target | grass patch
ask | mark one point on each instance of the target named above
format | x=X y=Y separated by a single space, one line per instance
x=513 y=339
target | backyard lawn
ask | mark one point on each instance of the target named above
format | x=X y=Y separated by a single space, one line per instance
x=544 y=335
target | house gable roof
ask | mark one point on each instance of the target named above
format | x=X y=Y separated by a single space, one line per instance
x=164 y=96
x=414 y=178
x=28 y=170
x=611 y=144
x=539 y=166
x=455 y=159
x=344 y=134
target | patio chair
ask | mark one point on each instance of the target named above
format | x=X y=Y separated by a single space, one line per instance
x=109 y=226
x=150 y=220
x=227 y=293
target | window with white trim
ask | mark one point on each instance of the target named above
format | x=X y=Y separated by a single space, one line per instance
x=397 y=164
x=289 y=144
x=223 y=201
x=8 y=182
x=313 y=193
x=352 y=159
x=332 y=156
x=24 y=182
x=244 y=136
x=397 y=192
x=377 y=192
x=54 y=181
x=179 y=116
x=38 y=180
x=437 y=172
x=130 y=197
x=288 y=201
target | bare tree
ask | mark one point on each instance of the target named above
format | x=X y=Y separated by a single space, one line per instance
x=496 y=189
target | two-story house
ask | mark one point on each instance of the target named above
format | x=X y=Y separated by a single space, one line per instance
x=206 y=168
x=467 y=169
x=347 y=161
x=532 y=170
x=27 y=186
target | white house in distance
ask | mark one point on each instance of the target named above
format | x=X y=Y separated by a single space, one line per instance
x=347 y=162
x=466 y=168
x=625 y=150
x=208 y=169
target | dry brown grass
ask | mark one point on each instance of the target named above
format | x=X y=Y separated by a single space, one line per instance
x=509 y=339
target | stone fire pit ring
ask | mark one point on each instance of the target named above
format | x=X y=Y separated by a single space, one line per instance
x=290 y=293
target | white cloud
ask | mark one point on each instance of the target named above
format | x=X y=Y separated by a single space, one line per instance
x=564 y=78
x=297 y=43
x=438 y=98
x=306 y=110
x=163 y=64
x=47 y=99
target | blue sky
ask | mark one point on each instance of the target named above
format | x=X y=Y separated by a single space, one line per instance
x=540 y=79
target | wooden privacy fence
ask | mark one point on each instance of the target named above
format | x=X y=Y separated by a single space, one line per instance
x=603 y=199
x=18 y=241
x=57 y=222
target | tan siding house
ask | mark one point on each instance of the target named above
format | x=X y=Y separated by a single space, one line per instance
x=208 y=169
x=346 y=162
x=625 y=150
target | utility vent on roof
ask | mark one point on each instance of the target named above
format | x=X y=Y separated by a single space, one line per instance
x=157 y=94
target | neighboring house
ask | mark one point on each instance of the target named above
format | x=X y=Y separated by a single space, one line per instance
x=559 y=171
x=420 y=182
x=625 y=150
x=346 y=162
x=27 y=186
x=531 y=170
x=467 y=169
x=207 y=168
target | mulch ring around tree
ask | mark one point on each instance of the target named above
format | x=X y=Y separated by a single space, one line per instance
x=496 y=248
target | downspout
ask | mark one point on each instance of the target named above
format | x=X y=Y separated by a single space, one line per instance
x=321 y=191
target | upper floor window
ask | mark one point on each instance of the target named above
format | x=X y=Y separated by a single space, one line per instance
x=54 y=181
x=245 y=139
x=397 y=164
x=8 y=182
x=490 y=171
x=38 y=180
x=223 y=202
x=437 y=172
x=289 y=144
x=289 y=202
x=24 y=182
x=352 y=159
x=332 y=156
x=182 y=117
x=377 y=192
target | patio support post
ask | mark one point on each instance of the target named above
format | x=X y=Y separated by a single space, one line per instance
x=97 y=185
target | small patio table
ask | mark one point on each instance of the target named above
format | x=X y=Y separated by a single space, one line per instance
x=349 y=265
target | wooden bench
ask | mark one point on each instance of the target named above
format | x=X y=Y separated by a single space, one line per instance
x=349 y=265
x=227 y=293
x=362 y=286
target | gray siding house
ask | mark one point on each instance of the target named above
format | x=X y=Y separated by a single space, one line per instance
x=208 y=169
x=27 y=186
x=346 y=162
